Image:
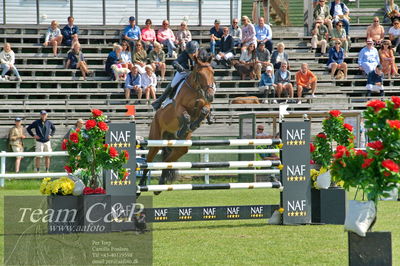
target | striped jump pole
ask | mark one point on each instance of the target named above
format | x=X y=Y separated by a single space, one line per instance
x=190 y=143
x=190 y=165
x=210 y=186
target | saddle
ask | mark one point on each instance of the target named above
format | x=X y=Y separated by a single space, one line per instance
x=174 y=92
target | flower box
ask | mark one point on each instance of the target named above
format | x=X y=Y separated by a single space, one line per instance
x=374 y=249
x=65 y=214
x=328 y=206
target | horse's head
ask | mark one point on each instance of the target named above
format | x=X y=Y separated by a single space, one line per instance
x=204 y=75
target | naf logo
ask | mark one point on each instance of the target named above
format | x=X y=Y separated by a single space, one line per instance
x=296 y=205
x=295 y=170
x=120 y=136
x=295 y=134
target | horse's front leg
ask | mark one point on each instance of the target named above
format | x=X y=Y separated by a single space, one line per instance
x=184 y=125
x=205 y=110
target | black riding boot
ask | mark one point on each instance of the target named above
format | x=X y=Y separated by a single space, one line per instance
x=157 y=103
x=210 y=118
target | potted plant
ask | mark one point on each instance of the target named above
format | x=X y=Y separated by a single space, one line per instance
x=375 y=172
x=328 y=199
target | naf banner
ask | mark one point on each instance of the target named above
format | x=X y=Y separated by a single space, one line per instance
x=295 y=154
x=122 y=137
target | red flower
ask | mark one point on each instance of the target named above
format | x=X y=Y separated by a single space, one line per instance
x=78 y=129
x=376 y=145
x=113 y=152
x=394 y=124
x=90 y=124
x=99 y=190
x=340 y=151
x=335 y=113
x=367 y=162
x=396 y=101
x=126 y=174
x=105 y=146
x=64 y=145
x=312 y=162
x=312 y=147
x=321 y=135
x=103 y=126
x=74 y=137
x=96 y=112
x=376 y=104
x=68 y=169
x=386 y=173
x=348 y=127
x=126 y=154
x=361 y=153
x=88 y=191
x=390 y=165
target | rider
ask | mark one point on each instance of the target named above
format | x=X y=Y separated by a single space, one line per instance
x=183 y=64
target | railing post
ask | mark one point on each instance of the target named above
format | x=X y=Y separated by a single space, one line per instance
x=3 y=168
x=207 y=159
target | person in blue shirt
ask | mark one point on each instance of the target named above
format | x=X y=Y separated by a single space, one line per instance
x=336 y=59
x=114 y=57
x=264 y=34
x=368 y=57
x=375 y=81
x=216 y=34
x=70 y=33
x=267 y=86
x=132 y=33
x=132 y=83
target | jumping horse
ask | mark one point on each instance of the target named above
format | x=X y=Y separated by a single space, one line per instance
x=179 y=119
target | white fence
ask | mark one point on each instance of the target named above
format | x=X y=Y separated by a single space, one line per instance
x=204 y=152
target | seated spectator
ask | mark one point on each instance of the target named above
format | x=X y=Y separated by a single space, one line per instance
x=339 y=34
x=16 y=138
x=322 y=11
x=248 y=33
x=215 y=36
x=113 y=58
x=183 y=36
x=126 y=56
x=236 y=32
x=387 y=59
x=267 y=85
x=226 y=48
x=166 y=37
x=140 y=58
x=264 y=34
x=336 y=60
x=157 y=60
x=391 y=12
x=320 y=36
x=53 y=37
x=305 y=81
x=7 y=61
x=70 y=32
x=340 y=12
x=376 y=32
x=132 y=33
x=76 y=60
x=148 y=36
x=375 y=81
x=262 y=58
x=133 y=83
x=368 y=57
x=394 y=35
x=279 y=56
x=246 y=65
x=78 y=125
x=282 y=81
x=149 y=83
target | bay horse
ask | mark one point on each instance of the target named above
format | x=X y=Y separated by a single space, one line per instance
x=179 y=119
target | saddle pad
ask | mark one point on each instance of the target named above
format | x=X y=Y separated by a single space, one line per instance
x=168 y=101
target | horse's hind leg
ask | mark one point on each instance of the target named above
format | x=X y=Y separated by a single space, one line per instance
x=205 y=110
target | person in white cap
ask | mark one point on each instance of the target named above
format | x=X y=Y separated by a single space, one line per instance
x=320 y=36
x=267 y=86
x=15 y=138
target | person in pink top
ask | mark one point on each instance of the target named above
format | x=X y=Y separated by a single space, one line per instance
x=166 y=37
x=148 y=36
x=248 y=33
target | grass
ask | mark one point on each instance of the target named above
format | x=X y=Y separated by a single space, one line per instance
x=242 y=242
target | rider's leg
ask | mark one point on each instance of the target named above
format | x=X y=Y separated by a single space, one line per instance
x=170 y=89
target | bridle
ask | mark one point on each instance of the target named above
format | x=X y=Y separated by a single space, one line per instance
x=199 y=89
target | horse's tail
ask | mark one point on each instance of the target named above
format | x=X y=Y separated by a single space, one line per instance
x=167 y=175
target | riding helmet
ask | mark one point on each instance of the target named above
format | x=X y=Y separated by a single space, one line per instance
x=192 y=47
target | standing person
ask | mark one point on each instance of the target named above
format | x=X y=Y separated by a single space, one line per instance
x=306 y=81
x=149 y=83
x=183 y=36
x=336 y=60
x=226 y=49
x=248 y=33
x=376 y=32
x=368 y=58
x=283 y=82
x=264 y=34
x=132 y=33
x=388 y=62
x=148 y=36
x=157 y=60
x=322 y=10
x=132 y=83
x=394 y=35
x=375 y=81
x=77 y=126
x=265 y=7
x=53 y=37
x=236 y=32
x=320 y=36
x=166 y=37
x=16 y=136
x=76 y=60
x=70 y=33
x=7 y=61
x=215 y=36
x=340 y=12
x=44 y=131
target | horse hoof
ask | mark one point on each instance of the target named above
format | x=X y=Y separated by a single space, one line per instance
x=138 y=194
x=157 y=193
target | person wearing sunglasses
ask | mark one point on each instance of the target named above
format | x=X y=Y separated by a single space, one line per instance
x=340 y=12
x=236 y=32
x=166 y=37
x=388 y=62
x=320 y=36
x=339 y=34
x=368 y=57
x=148 y=36
x=394 y=35
x=376 y=32
x=336 y=60
x=322 y=10
x=132 y=33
